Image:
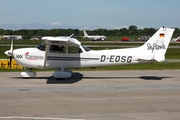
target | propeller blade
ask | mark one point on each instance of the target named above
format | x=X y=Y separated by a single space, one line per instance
x=11 y=49
x=10 y=62
x=10 y=52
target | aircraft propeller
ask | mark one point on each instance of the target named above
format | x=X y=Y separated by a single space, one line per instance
x=10 y=53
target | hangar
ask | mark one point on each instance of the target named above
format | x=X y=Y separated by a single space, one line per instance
x=15 y=37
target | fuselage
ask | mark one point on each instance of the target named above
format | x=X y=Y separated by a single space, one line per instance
x=96 y=37
x=35 y=58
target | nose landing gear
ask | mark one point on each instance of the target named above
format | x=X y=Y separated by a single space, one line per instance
x=28 y=73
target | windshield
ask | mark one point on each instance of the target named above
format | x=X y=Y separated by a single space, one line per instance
x=42 y=46
x=86 y=48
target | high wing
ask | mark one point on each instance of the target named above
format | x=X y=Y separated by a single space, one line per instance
x=65 y=40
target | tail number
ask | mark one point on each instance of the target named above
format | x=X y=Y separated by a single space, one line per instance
x=113 y=58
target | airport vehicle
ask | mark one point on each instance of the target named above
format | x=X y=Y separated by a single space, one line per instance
x=67 y=52
x=93 y=37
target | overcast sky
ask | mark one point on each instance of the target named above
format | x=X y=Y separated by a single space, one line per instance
x=88 y=14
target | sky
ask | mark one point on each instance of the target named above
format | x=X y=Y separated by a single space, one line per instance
x=88 y=14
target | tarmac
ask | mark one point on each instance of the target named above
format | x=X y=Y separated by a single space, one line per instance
x=92 y=95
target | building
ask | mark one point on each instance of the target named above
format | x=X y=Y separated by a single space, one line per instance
x=14 y=37
x=144 y=38
x=1 y=37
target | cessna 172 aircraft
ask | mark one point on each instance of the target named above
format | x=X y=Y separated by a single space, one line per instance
x=97 y=37
x=66 y=52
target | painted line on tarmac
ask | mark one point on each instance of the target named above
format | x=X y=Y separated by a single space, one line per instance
x=37 y=118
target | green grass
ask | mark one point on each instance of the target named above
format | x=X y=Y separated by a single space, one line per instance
x=172 y=53
x=144 y=66
x=25 y=42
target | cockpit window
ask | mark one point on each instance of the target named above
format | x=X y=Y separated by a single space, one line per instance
x=57 y=48
x=42 y=46
x=74 y=50
x=86 y=48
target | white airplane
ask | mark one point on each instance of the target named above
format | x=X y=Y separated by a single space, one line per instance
x=66 y=52
x=93 y=37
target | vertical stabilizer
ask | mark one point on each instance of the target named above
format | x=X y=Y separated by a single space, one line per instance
x=85 y=34
x=155 y=48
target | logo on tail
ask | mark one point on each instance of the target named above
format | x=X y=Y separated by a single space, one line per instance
x=155 y=46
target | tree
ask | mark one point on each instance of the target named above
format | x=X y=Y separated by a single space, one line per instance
x=176 y=32
x=132 y=30
x=124 y=31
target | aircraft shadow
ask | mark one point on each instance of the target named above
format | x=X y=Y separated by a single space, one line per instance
x=153 y=77
x=76 y=77
x=142 y=77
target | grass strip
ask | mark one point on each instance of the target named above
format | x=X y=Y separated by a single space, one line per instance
x=144 y=66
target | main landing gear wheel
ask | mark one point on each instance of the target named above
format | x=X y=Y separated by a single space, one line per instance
x=28 y=73
x=61 y=74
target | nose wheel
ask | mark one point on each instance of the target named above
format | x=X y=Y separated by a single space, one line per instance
x=28 y=73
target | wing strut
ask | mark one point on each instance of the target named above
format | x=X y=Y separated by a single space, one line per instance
x=46 y=53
